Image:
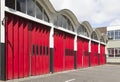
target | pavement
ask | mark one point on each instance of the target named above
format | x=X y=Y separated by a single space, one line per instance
x=103 y=73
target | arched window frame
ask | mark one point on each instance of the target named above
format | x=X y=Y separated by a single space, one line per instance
x=63 y=21
x=82 y=30
x=13 y=4
x=94 y=35
x=102 y=39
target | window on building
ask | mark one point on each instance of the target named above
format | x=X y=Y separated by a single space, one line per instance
x=45 y=17
x=114 y=52
x=117 y=52
x=63 y=21
x=33 y=49
x=110 y=35
x=111 y=52
x=94 y=35
x=21 y=5
x=82 y=30
x=114 y=35
x=10 y=3
x=39 y=11
x=101 y=39
x=40 y=50
x=37 y=49
x=56 y=20
x=31 y=7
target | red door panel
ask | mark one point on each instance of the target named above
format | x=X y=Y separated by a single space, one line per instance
x=25 y=44
x=15 y=48
x=33 y=58
x=86 y=63
x=79 y=52
x=21 y=58
x=59 y=51
x=9 y=46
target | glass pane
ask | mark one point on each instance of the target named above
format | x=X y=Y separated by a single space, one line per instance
x=10 y=3
x=60 y=20
x=116 y=51
x=31 y=7
x=33 y=49
x=21 y=5
x=38 y=12
x=112 y=50
x=64 y=22
x=40 y=50
x=46 y=17
x=56 y=21
x=37 y=49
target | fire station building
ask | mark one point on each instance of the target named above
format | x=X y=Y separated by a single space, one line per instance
x=35 y=39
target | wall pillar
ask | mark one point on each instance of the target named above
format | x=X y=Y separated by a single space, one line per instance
x=89 y=52
x=51 y=49
x=75 y=52
x=99 y=53
x=2 y=40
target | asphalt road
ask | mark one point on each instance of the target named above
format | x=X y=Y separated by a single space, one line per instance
x=104 y=73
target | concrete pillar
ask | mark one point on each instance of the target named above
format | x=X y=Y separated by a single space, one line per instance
x=51 y=39
x=99 y=53
x=2 y=39
x=89 y=51
x=75 y=52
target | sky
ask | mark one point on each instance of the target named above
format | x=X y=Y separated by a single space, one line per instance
x=98 y=13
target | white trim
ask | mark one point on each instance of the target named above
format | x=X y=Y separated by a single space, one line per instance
x=103 y=43
x=89 y=45
x=2 y=19
x=82 y=36
x=75 y=43
x=65 y=30
x=99 y=48
x=93 y=40
x=51 y=38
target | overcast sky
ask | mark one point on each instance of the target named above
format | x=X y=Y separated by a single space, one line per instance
x=97 y=12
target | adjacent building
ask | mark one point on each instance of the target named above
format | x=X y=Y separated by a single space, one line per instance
x=113 y=45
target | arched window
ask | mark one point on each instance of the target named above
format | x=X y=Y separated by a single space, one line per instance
x=30 y=7
x=63 y=21
x=101 y=39
x=94 y=35
x=10 y=3
x=21 y=5
x=39 y=11
x=82 y=30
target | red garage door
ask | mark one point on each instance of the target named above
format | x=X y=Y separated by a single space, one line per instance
x=26 y=41
x=58 y=50
x=102 y=54
x=85 y=53
x=63 y=51
x=39 y=49
x=17 y=58
x=69 y=51
x=82 y=53
x=79 y=52
x=94 y=54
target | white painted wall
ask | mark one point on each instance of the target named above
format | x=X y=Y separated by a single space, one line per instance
x=110 y=28
x=2 y=16
x=51 y=39
x=75 y=43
